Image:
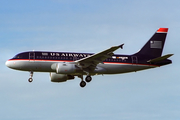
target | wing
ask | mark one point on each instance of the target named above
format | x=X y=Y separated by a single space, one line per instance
x=89 y=63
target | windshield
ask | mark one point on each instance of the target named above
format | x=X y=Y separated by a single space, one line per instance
x=18 y=56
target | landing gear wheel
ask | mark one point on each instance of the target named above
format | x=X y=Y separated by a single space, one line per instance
x=88 y=78
x=31 y=75
x=30 y=80
x=82 y=83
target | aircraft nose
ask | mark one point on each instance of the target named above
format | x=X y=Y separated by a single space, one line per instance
x=8 y=64
x=13 y=64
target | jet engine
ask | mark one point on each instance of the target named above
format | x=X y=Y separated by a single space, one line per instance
x=60 y=77
x=65 y=68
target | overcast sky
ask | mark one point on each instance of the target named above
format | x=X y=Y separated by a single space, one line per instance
x=89 y=26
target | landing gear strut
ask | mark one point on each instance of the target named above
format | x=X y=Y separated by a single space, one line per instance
x=82 y=83
x=31 y=75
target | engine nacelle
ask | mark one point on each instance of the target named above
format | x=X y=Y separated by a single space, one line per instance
x=65 y=68
x=60 y=77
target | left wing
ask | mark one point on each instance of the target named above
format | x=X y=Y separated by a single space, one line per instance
x=89 y=63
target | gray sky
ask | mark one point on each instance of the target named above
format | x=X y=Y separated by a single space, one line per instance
x=89 y=26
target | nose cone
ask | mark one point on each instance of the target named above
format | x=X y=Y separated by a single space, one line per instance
x=13 y=64
x=8 y=64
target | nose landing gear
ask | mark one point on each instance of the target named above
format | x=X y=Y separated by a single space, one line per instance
x=31 y=75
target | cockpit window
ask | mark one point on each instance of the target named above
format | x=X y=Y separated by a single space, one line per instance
x=18 y=56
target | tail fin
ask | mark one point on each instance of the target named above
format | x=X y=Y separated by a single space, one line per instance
x=154 y=47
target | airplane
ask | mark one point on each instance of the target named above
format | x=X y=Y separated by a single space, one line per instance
x=64 y=66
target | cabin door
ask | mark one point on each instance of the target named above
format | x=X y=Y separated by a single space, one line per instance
x=134 y=60
x=31 y=56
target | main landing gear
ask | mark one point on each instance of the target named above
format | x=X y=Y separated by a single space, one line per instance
x=87 y=79
x=31 y=75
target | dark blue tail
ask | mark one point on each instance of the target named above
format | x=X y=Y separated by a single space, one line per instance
x=154 y=47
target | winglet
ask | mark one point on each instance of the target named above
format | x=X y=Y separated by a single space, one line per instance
x=121 y=46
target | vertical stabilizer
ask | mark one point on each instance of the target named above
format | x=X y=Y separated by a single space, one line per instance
x=154 y=47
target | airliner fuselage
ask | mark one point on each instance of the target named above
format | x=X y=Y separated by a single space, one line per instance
x=64 y=66
x=40 y=61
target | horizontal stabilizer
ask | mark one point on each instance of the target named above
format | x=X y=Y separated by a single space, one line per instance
x=160 y=58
